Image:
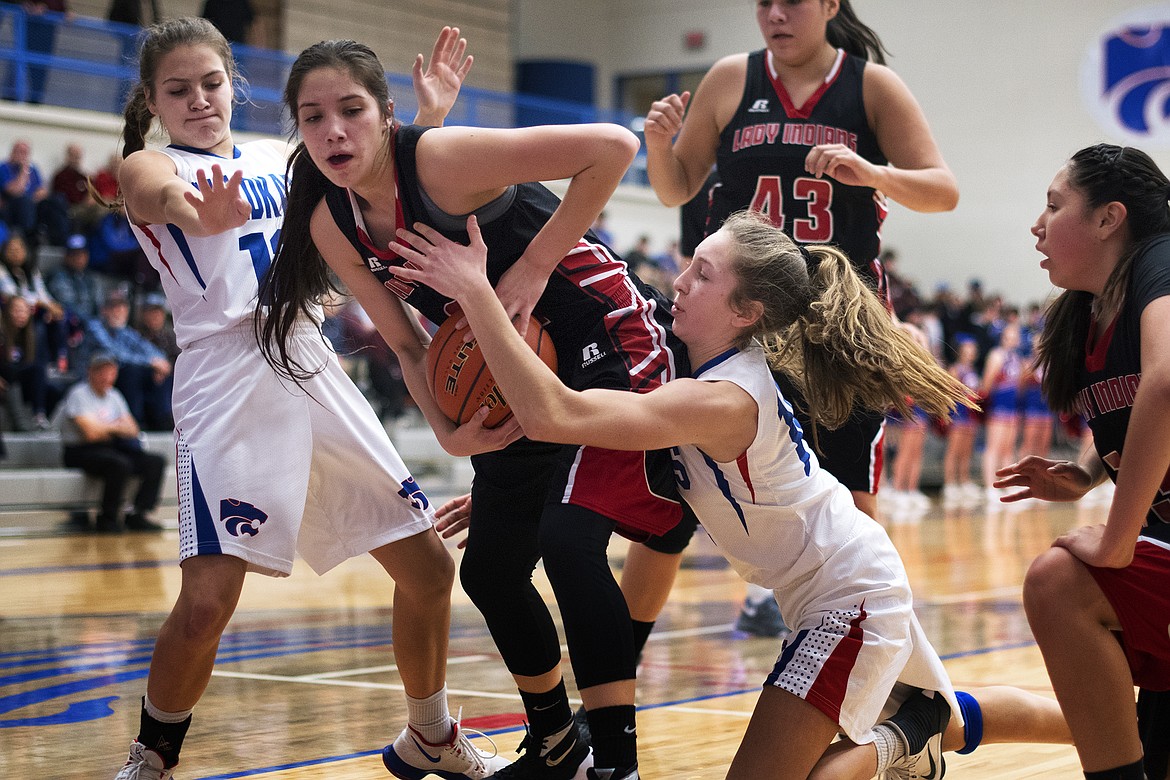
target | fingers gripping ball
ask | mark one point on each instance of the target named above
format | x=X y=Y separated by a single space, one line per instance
x=459 y=377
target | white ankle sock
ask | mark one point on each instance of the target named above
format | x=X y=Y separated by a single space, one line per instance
x=430 y=717
x=890 y=747
x=164 y=717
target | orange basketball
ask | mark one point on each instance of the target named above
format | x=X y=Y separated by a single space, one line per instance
x=460 y=380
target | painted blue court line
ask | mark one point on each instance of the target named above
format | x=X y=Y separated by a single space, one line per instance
x=496 y=732
x=87 y=567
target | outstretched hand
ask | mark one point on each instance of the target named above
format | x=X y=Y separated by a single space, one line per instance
x=1049 y=480
x=220 y=204
x=447 y=267
x=454 y=517
x=437 y=85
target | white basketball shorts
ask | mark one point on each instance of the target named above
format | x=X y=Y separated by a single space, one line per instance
x=266 y=468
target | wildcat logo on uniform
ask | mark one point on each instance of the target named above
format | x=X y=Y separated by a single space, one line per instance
x=240 y=517
x=414 y=494
x=1125 y=75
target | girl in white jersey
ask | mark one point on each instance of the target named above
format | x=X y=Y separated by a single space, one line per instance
x=856 y=647
x=250 y=445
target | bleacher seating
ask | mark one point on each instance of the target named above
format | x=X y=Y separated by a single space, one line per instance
x=33 y=479
x=32 y=476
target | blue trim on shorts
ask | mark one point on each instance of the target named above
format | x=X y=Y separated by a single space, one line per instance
x=206 y=535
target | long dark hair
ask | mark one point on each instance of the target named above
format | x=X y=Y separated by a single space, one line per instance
x=298 y=277
x=1103 y=174
x=846 y=31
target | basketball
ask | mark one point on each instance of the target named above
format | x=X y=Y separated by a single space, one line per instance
x=460 y=380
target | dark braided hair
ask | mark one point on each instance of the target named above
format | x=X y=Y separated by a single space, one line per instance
x=1104 y=173
x=846 y=31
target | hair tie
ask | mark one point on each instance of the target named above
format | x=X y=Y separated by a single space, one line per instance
x=808 y=258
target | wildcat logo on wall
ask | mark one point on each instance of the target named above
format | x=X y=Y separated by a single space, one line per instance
x=1125 y=77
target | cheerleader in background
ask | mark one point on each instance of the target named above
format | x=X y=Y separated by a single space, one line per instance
x=1001 y=386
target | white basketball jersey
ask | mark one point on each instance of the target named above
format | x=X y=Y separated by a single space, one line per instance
x=773 y=512
x=211 y=282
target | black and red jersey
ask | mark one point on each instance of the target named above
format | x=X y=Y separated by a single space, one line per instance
x=1112 y=371
x=761 y=161
x=590 y=286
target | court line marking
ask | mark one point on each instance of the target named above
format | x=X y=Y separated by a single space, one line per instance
x=679 y=705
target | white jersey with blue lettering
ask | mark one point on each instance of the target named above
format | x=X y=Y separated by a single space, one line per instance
x=267 y=467
x=211 y=282
x=856 y=647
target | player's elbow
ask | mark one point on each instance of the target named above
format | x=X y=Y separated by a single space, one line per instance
x=621 y=142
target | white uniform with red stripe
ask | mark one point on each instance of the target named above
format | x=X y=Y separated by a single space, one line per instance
x=265 y=468
x=786 y=524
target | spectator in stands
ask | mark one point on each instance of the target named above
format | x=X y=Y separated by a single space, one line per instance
x=73 y=284
x=40 y=33
x=78 y=289
x=114 y=252
x=639 y=254
x=24 y=198
x=388 y=393
x=602 y=232
x=105 y=181
x=129 y=12
x=19 y=277
x=101 y=437
x=233 y=18
x=904 y=296
x=132 y=12
x=154 y=324
x=19 y=371
x=667 y=259
x=144 y=375
x=71 y=186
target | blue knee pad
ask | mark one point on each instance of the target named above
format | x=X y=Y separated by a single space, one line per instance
x=972 y=720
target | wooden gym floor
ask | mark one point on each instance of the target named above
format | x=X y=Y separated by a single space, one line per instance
x=305 y=685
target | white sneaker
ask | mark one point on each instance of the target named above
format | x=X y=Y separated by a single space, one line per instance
x=917 y=499
x=952 y=495
x=143 y=764
x=411 y=757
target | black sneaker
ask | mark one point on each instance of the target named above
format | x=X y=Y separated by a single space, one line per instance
x=920 y=723
x=761 y=619
x=77 y=522
x=107 y=525
x=560 y=756
x=583 y=731
x=137 y=522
